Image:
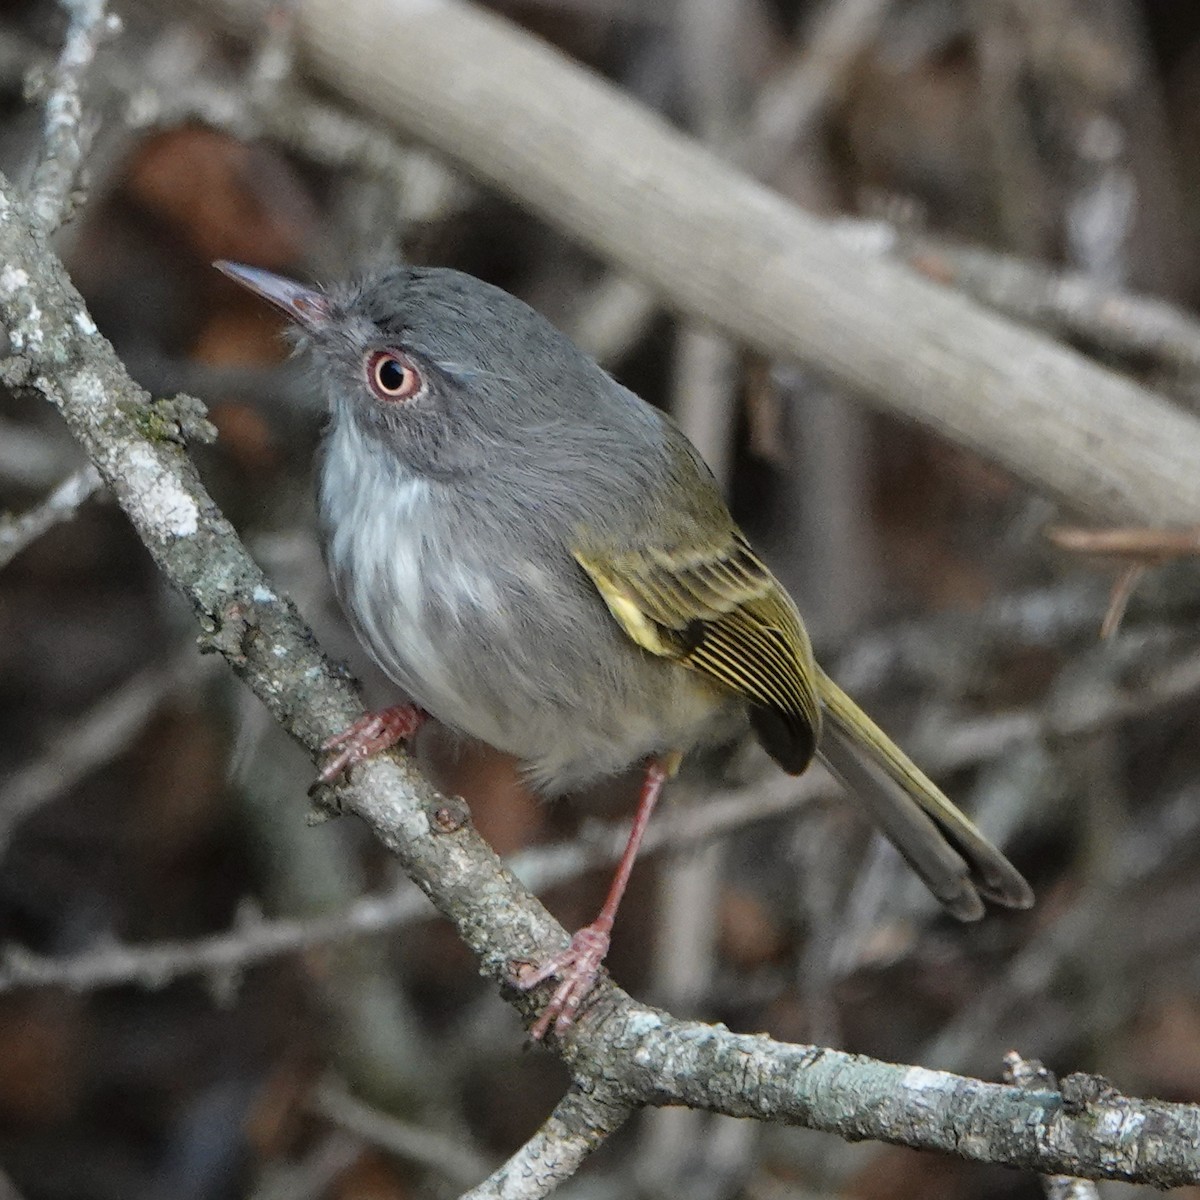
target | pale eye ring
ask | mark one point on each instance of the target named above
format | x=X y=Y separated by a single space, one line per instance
x=393 y=376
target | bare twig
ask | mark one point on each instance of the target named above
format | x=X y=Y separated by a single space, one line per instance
x=611 y=317
x=581 y=1122
x=175 y=85
x=965 y=743
x=1029 y=1073
x=448 y=1155
x=1143 y=544
x=253 y=940
x=1122 y=593
x=219 y=956
x=313 y=1175
x=791 y=104
x=33 y=458
x=1031 y=974
x=96 y=738
x=61 y=505
x=67 y=134
x=1138 y=328
x=1137 y=549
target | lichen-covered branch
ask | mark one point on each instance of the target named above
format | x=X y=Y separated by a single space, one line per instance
x=1030 y=1073
x=625 y=1052
x=580 y=1123
x=1087 y=1129
x=67 y=133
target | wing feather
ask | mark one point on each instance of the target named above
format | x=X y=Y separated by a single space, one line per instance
x=719 y=611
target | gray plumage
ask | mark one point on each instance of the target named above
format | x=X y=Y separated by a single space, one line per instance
x=449 y=526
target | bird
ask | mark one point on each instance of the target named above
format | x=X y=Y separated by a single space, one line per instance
x=540 y=560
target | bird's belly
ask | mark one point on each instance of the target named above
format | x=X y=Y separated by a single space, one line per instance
x=500 y=650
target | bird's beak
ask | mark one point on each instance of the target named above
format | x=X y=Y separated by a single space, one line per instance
x=306 y=306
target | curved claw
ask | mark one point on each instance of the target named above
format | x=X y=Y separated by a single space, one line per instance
x=369 y=735
x=577 y=967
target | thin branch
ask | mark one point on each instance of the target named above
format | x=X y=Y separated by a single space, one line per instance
x=32 y=458
x=1032 y=972
x=580 y=1123
x=253 y=940
x=1137 y=549
x=447 y=1155
x=1029 y=1073
x=855 y=1097
x=791 y=104
x=310 y=1177
x=17 y=532
x=96 y=738
x=173 y=88
x=67 y=135
x=962 y=744
x=1146 y=545
x=1138 y=328
x=1122 y=592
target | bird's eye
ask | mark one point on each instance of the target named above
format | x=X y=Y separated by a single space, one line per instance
x=393 y=376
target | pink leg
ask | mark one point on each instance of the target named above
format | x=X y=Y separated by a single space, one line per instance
x=369 y=735
x=579 y=964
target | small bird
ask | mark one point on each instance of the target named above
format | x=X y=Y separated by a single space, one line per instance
x=540 y=560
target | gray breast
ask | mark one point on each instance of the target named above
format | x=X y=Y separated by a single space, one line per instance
x=497 y=634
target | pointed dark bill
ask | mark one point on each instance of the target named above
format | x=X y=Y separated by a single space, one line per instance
x=304 y=305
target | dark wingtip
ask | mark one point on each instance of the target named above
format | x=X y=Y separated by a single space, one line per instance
x=966 y=904
x=1009 y=889
x=789 y=740
x=966 y=901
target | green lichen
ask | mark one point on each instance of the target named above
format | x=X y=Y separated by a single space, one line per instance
x=179 y=420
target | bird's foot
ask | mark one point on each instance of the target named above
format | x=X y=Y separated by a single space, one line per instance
x=369 y=735
x=577 y=968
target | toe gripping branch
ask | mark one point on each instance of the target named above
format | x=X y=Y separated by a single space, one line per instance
x=369 y=735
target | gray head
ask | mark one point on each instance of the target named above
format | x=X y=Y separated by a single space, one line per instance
x=452 y=374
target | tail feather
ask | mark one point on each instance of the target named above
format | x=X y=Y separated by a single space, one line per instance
x=957 y=863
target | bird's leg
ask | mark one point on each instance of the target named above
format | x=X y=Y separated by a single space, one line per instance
x=579 y=964
x=369 y=735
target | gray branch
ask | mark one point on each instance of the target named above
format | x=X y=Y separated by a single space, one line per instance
x=67 y=134
x=580 y=1123
x=1087 y=1129
x=222 y=956
x=447 y=1154
x=1070 y=304
x=17 y=532
x=97 y=737
x=1030 y=1073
